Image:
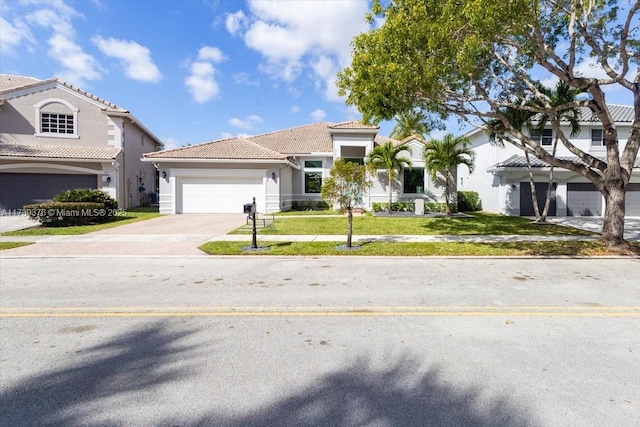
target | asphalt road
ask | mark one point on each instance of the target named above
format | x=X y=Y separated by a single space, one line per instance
x=319 y=342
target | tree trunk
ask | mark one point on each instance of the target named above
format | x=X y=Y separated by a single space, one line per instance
x=349 y=226
x=613 y=227
x=532 y=183
x=547 y=202
x=390 y=190
x=447 y=209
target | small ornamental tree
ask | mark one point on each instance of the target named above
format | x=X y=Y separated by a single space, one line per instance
x=345 y=188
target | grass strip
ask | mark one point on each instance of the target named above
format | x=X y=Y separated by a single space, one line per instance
x=556 y=248
x=11 y=245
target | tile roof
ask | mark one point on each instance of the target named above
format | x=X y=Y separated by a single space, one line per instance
x=312 y=138
x=9 y=81
x=516 y=161
x=353 y=125
x=226 y=149
x=58 y=151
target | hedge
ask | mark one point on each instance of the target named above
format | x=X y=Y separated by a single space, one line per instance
x=88 y=195
x=469 y=201
x=410 y=207
x=57 y=214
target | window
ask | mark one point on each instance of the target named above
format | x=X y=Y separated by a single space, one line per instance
x=356 y=160
x=56 y=123
x=414 y=181
x=597 y=137
x=56 y=118
x=312 y=176
x=544 y=138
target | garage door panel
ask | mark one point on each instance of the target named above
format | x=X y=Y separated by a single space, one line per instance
x=632 y=200
x=583 y=199
x=219 y=195
x=526 y=203
x=19 y=189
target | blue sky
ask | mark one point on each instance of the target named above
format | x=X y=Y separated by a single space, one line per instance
x=195 y=70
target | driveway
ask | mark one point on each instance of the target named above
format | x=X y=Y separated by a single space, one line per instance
x=15 y=222
x=592 y=223
x=165 y=235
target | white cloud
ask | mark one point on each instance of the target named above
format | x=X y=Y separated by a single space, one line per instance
x=245 y=78
x=14 y=35
x=290 y=40
x=170 y=143
x=201 y=83
x=236 y=22
x=135 y=58
x=248 y=123
x=318 y=115
x=78 y=66
x=210 y=53
x=295 y=109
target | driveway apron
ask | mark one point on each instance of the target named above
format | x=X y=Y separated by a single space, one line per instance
x=165 y=235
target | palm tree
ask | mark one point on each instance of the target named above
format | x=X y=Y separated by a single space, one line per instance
x=444 y=155
x=410 y=123
x=387 y=156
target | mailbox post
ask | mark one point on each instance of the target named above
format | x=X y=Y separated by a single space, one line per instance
x=250 y=208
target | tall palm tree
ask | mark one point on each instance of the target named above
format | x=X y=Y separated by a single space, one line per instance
x=387 y=156
x=410 y=123
x=446 y=154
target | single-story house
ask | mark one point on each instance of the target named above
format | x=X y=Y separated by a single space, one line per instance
x=501 y=177
x=55 y=137
x=278 y=168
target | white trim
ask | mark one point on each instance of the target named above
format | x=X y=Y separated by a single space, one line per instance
x=59 y=159
x=74 y=110
x=217 y=173
x=244 y=161
x=52 y=166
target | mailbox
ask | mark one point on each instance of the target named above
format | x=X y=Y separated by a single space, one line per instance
x=249 y=208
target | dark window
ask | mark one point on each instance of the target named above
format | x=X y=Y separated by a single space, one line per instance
x=312 y=182
x=414 y=181
x=597 y=137
x=544 y=138
x=313 y=163
x=355 y=160
x=56 y=123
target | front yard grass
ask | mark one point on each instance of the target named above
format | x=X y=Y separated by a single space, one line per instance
x=481 y=223
x=11 y=245
x=307 y=213
x=556 y=248
x=126 y=217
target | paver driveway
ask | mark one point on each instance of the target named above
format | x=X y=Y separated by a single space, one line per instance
x=165 y=235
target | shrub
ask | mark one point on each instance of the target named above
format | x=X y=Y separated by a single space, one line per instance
x=65 y=214
x=469 y=201
x=87 y=195
x=395 y=206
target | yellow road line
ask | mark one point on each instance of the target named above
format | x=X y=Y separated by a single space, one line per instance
x=371 y=312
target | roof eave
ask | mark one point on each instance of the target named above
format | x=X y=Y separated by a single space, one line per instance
x=186 y=160
x=59 y=159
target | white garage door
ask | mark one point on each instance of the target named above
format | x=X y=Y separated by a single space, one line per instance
x=220 y=195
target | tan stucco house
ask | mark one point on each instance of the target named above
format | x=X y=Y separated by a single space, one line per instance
x=277 y=168
x=55 y=137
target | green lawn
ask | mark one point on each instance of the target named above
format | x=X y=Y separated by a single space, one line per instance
x=11 y=245
x=480 y=224
x=127 y=217
x=307 y=213
x=588 y=248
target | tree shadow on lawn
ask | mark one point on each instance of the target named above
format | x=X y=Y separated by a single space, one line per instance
x=498 y=225
x=401 y=394
x=130 y=363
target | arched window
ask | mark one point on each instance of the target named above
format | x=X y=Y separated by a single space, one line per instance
x=56 y=118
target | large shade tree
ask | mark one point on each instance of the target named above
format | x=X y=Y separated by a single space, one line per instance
x=475 y=58
x=387 y=156
x=442 y=156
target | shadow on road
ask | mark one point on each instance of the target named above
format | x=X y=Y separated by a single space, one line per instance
x=360 y=395
x=136 y=361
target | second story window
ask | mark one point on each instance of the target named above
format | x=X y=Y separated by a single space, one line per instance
x=56 y=118
x=56 y=123
x=544 y=137
x=597 y=137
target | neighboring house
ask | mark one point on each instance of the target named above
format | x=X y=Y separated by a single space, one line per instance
x=276 y=168
x=501 y=177
x=55 y=137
